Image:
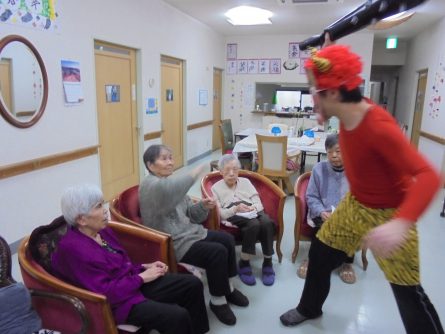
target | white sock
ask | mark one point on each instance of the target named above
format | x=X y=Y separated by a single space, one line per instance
x=218 y=300
x=231 y=284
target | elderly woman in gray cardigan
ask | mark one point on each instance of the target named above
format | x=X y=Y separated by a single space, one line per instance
x=165 y=206
x=327 y=186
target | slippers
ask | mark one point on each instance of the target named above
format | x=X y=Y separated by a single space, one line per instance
x=268 y=275
x=246 y=276
x=346 y=273
x=302 y=270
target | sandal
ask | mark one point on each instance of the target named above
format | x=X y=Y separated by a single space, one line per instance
x=302 y=270
x=346 y=273
x=246 y=275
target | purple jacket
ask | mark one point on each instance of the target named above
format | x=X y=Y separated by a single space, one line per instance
x=81 y=261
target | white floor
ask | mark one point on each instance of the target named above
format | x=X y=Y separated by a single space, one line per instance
x=365 y=307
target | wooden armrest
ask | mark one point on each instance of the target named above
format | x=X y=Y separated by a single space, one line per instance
x=75 y=302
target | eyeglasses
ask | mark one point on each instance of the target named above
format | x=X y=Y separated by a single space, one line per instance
x=314 y=90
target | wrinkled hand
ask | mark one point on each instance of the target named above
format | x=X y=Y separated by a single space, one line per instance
x=208 y=203
x=325 y=215
x=244 y=208
x=153 y=271
x=385 y=239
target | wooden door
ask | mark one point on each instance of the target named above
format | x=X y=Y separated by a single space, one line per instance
x=117 y=118
x=172 y=107
x=418 y=109
x=217 y=92
x=5 y=83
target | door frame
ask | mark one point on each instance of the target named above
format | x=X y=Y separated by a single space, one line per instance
x=135 y=91
x=183 y=126
x=419 y=104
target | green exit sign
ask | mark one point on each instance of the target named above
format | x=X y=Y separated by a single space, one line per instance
x=391 y=43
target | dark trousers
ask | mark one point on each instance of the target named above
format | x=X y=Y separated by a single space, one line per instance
x=216 y=254
x=318 y=221
x=261 y=228
x=175 y=304
x=417 y=312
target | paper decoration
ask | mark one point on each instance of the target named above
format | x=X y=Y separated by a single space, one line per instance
x=242 y=66
x=263 y=66
x=275 y=66
x=252 y=66
x=203 y=97
x=152 y=106
x=294 y=51
x=231 y=67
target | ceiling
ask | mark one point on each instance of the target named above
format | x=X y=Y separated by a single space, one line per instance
x=301 y=19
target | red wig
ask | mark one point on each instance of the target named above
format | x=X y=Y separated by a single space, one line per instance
x=335 y=66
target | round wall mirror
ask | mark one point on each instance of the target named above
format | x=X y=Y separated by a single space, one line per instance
x=23 y=82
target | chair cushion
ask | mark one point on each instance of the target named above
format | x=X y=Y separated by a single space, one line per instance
x=44 y=240
x=129 y=204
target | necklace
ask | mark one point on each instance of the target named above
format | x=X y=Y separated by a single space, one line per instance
x=108 y=247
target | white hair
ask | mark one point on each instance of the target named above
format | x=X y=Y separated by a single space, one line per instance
x=226 y=158
x=79 y=200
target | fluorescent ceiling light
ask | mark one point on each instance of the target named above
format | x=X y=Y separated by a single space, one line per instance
x=247 y=16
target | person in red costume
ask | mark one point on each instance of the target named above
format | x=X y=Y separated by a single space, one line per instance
x=391 y=184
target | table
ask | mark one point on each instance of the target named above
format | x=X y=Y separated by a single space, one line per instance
x=294 y=144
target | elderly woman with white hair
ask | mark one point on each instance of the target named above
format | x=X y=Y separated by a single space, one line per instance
x=90 y=256
x=240 y=204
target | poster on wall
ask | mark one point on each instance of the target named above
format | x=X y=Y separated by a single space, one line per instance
x=72 y=85
x=242 y=66
x=252 y=66
x=294 y=51
x=275 y=66
x=152 y=106
x=263 y=66
x=231 y=67
x=35 y=14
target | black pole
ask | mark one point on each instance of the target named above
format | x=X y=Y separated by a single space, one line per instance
x=359 y=18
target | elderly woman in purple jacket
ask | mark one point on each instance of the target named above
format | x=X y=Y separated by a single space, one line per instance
x=144 y=295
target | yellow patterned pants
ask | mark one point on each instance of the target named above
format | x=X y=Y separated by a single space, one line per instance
x=351 y=221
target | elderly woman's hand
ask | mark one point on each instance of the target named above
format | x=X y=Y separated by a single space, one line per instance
x=244 y=208
x=208 y=203
x=153 y=271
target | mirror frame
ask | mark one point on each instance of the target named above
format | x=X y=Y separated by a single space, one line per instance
x=3 y=109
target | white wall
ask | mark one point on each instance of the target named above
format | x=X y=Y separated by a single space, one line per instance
x=153 y=28
x=239 y=89
x=426 y=51
x=383 y=56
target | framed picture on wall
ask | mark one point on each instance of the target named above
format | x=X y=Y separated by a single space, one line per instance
x=232 y=50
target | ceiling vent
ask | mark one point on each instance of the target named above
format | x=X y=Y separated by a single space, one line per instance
x=296 y=2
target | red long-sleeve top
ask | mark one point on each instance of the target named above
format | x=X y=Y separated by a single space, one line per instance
x=383 y=169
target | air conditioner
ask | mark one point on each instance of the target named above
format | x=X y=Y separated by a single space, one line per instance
x=296 y=2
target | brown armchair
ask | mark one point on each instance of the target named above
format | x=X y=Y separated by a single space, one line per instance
x=302 y=230
x=143 y=246
x=271 y=196
x=54 y=303
x=125 y=208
